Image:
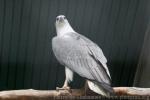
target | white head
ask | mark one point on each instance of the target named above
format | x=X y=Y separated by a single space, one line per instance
x=62 y=25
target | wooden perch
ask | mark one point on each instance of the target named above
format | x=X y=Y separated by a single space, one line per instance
x=133 y=91
x=31 y=94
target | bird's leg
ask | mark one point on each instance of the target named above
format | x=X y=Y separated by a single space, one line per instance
x=65 y=86
x=69 y=78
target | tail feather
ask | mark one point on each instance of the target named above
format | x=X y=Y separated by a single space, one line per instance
x=101 y=88
x=107 y=88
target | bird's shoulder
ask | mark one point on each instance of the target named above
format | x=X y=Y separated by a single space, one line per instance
x=54 y=38
x=76 y=37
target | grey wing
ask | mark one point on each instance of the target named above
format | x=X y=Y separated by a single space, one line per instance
x=93 y=50
x=78 y=54
x=96 y=53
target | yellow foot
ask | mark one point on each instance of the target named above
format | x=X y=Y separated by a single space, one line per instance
x=64 y=88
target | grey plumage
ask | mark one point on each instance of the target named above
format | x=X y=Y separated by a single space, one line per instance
x=79 y=54
x=82 y=56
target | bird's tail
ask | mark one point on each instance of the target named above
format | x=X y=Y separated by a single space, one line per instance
x=101 y=88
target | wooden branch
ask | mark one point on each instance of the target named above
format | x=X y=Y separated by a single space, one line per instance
x=31 y=94
x=133 y=91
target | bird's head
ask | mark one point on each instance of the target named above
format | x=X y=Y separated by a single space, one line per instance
x=61 y=20
x=62 y=25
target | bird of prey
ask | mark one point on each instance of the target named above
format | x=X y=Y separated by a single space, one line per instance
x=80 y=55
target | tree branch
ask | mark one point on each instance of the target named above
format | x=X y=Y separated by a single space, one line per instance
x=134 y=91
x=31 y=94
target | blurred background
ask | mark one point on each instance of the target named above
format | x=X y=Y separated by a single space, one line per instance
x=119 y=27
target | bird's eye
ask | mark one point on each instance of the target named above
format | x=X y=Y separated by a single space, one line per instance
x=57 y=19
x=64 y=17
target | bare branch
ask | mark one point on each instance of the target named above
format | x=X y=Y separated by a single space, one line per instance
x=132 y=91
x=31 y=94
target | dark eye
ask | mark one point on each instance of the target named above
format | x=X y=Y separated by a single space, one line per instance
x=57 y=18
x=64 y=17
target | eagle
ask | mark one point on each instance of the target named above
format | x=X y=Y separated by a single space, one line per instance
x=80 y=55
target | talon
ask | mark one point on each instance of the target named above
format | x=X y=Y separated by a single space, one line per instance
x=63 y=88
x=58 y=88
x=66 y=87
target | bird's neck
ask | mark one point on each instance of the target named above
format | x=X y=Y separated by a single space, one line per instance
x=63 y=29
